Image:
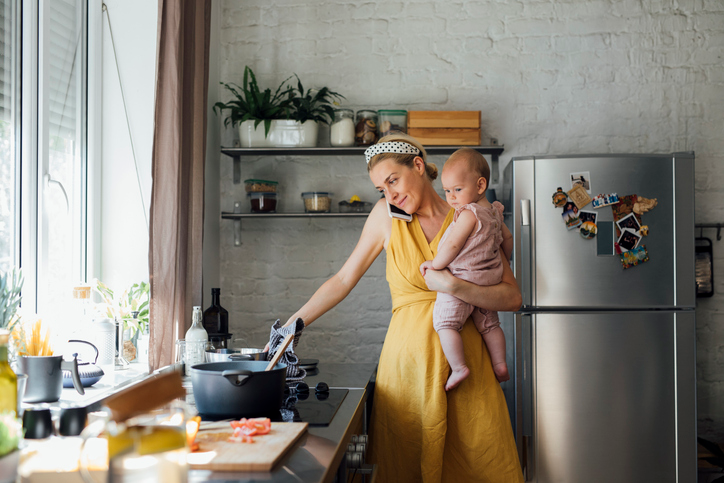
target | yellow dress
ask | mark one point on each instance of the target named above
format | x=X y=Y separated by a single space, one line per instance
x=419 y=432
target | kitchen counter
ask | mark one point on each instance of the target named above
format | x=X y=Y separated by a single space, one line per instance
x=317 y=456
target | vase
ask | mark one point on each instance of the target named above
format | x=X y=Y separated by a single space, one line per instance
x=9 y=467
x=294 y=134
x=251 y=136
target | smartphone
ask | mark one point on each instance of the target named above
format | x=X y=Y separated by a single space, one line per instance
x=396 y=212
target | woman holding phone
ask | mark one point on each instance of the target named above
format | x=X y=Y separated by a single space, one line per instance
x=420 y=432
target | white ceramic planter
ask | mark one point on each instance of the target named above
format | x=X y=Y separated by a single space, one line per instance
x=294 y=134
x=253 y=137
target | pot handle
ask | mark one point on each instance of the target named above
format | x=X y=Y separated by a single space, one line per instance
x=237 y=377
x=90 y=344
x=240 y=357
x=72 y=366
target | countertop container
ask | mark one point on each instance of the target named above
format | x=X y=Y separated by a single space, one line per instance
x=366 y=128
x=341 y=131
x=317 y=201
x=355 y=206
x=262 y=202
x=260 y=186
x=238 y=389
x=392 y=120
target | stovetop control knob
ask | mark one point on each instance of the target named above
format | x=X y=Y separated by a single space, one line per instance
x=354 y=459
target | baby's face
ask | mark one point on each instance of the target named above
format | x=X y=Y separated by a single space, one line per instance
x=460 y=184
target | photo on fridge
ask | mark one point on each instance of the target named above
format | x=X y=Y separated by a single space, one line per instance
x=629 y=239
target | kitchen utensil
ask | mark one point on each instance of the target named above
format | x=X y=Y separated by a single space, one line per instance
x=22 y=381
x=89 y=372
x=151 y=393
x=37 y=423
x=237 y=389
x=72 y=421
x=280 y=352
x=244 y=354
x=45 y=377
x=217 y=454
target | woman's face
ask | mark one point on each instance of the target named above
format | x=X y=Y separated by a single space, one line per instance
x=402 y=186
x=461 y=186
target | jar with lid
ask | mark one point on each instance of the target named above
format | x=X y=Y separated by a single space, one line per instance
x=392 y=120
x=366 y=128
x=341 y=132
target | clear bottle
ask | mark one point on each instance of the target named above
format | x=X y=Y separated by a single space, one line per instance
x=196 y=339
x=8 y=379
x=216 y=320
x=341 y=132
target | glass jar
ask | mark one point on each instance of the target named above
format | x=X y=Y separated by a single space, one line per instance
x=392 y=120
x=341 y=132
x=365 y=133
x=317 y=201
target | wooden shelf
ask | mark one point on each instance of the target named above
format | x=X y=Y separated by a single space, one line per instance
x=237 y=153
x=227 y=215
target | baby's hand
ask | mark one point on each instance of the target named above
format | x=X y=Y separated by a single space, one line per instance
x=426 y=266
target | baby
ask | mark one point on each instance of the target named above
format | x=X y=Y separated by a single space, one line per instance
x=470 y=249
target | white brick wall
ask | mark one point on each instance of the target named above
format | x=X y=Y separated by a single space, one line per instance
x=549 y=77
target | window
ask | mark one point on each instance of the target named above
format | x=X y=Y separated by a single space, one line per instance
x=43 y=169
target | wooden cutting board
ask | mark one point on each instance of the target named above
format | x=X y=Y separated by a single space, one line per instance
x=217 y=454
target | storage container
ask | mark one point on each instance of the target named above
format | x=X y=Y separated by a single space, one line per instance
x=341 y=132
x=317 y=201
x=260 y=186
x=391 y=120
x=445 y=128
x=263 y=202
x=366 y=128
x=355 y=206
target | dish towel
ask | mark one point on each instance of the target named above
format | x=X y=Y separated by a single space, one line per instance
x=278 y=333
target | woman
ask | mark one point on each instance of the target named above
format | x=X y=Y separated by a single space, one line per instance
x=418 y=431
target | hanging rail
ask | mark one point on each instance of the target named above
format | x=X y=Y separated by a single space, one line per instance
x=718 y=227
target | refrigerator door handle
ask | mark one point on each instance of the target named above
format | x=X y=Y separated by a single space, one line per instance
x=527 y=390
x=525 y=249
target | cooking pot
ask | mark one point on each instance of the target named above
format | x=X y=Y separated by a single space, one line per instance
x=237 y=389
x=226 y=355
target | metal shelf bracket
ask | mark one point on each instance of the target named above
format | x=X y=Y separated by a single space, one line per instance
x=237 y=225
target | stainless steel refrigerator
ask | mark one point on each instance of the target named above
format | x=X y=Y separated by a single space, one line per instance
x=602 y=357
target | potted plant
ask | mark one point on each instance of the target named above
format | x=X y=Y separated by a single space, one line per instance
x=251 y=107
x=11 y=284
x=304 y=110
x=132 y=307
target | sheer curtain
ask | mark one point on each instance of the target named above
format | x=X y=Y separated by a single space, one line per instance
x=177 y=197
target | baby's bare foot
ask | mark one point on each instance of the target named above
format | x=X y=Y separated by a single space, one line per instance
x=457 y=377
x=501 y=371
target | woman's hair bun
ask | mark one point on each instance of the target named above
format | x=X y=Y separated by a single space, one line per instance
x=431 y=170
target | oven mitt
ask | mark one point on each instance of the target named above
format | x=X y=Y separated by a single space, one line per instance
x=278 y=333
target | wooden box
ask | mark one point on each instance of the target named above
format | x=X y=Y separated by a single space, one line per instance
x=445 y=128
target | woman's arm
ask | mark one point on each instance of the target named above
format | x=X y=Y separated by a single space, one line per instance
x=504 y=296
x=333 y=291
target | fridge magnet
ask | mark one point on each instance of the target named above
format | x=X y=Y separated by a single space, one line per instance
x=599 y=201
x=632 y=258
x=570 y=216
x=581 y=179
x=588 y=216
x=629 y=221
x=642 y=205
x=644 y=230
x=588 y=230
x=629 y=239
x=579 y=196
x=559 y=198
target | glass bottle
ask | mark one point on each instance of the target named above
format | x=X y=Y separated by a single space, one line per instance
x=8 y=379
x=216 y=320
x=341 y=132
x=196 y=339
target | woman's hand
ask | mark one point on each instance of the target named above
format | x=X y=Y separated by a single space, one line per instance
x=439 y=280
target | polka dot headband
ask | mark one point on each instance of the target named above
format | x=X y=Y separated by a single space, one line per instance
x=390 y=147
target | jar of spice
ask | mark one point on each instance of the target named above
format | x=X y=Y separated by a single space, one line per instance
x=366 y=128
x=341 y=132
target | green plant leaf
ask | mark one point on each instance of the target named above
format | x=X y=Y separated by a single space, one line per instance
x=718 y=480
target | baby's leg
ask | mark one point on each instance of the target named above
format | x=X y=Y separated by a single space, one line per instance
x=452 y=345
x=448 y=317
x=488 y=324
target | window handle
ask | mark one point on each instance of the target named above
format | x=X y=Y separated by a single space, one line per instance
x=49 y=180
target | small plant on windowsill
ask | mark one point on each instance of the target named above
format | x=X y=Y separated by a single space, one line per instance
x=132 y=307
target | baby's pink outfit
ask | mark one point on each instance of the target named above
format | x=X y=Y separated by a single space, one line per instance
x=478 y=262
